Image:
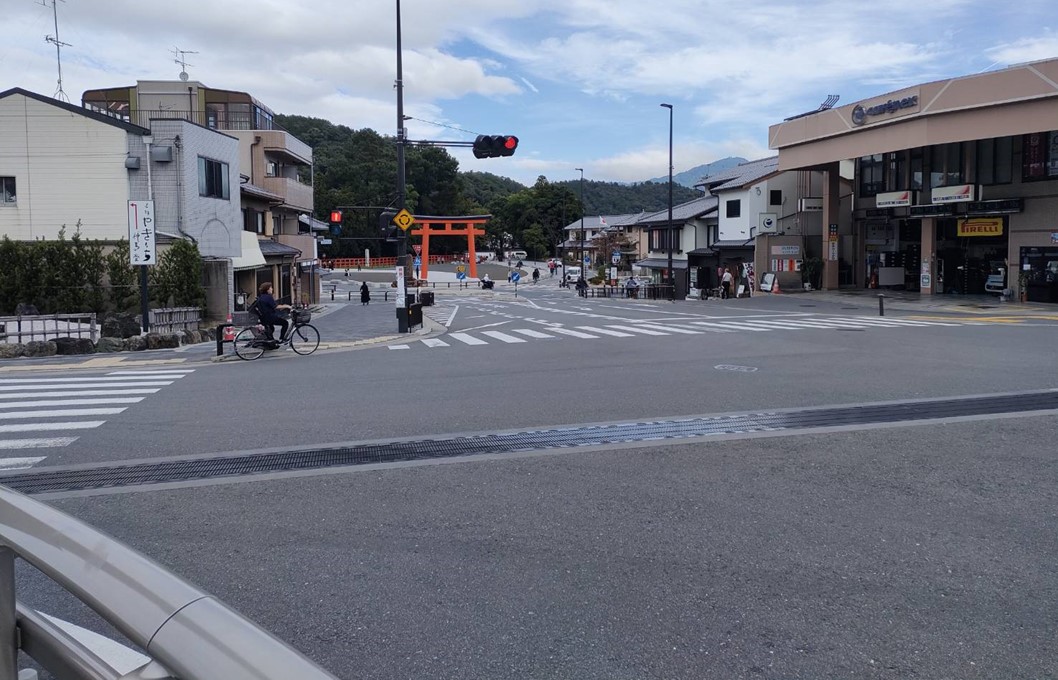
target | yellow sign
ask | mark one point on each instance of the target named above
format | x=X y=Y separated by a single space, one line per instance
x=981 y=226
x=403 y=219
x=461 y=268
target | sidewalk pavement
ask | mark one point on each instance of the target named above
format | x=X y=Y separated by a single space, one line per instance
x=978 y=305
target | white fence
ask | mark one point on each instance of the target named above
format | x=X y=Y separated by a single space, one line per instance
x=22 y=329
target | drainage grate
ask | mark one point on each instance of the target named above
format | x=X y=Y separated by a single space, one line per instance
x=118 y=475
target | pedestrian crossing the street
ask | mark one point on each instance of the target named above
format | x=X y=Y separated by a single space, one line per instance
x=510 y=335
x=48 y=412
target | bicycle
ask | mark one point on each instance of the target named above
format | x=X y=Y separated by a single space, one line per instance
x=302 y=337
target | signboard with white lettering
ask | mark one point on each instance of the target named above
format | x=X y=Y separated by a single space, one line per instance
x=141 y=233
x=893 y=199
x=960 y=193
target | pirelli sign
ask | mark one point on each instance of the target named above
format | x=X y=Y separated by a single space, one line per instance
x=981 y=226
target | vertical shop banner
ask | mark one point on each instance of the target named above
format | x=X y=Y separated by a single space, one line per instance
x=141 y=233
x=832 y=242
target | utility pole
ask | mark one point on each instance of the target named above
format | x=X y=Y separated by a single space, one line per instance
x=580 y=235
x=668 y=231
x=402 y=192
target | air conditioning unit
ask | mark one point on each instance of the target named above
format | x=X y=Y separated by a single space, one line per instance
x=162 y=154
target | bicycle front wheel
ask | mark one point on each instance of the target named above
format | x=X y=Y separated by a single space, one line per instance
x=246 y=345
x=304 y=339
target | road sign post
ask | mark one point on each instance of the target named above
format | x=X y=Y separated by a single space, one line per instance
x=142 y=253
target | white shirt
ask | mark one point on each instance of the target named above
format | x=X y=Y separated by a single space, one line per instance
x=727 y=277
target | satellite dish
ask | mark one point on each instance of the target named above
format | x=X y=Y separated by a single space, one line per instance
x=183 y=76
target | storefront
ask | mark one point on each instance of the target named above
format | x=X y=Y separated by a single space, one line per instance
x=955 y=182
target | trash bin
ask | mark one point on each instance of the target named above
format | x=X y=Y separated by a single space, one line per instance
x=426 y=298
x=414 y=315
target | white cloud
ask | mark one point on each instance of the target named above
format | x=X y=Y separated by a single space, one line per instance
x=1027 y=49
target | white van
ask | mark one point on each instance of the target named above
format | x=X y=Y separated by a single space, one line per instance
x=517 y=255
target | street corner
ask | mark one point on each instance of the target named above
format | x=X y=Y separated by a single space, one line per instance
x=82 y=362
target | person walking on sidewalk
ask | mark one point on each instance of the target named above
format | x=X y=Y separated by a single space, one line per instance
x=725 y=284
x=365 y=293
x=536 y=274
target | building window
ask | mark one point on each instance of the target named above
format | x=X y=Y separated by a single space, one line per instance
x=262 y=119
x=776 y=197
x=945 y=167
x=872 y=175
x=212 y=178
x=7 y=191
x=659 y=239
x=897 y=175
x=271 y=169
x=1039 y=156
x=239 y=117
x=916 y=169
x=995 y=161
x=734 y=208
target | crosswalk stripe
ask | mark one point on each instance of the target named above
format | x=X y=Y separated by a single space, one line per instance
x=12 y=388
x=606 y=331
x=72 y=402
x=79 y=393
x=575 y=334
x=400 y=346
x=99 y=379
x=727 y=325
x=503 y=337
x=434 y=342
x=175 y=373
x=36 y=443
x=903 y=322
x=41 y=427
x=467 y=339
x=62 y=413
x=531 y=333
x=19 y=463
x=637 y=329
x=793 y=325
x=670 y=329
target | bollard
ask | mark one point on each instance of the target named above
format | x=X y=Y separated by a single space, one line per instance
x=881 y=305
x=332 y=295
x=220 y=339
x=350 y=296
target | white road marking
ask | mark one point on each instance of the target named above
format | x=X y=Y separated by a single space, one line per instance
x=531 y=333
x=79 y=393
x=42 y=427
x=12 y=388
x=467 y=339
x=43 y=443
x=400 y=346
x=576 y=334
x=434 y=342
x=72 y=402
x=606 y=331
x=451 y=317
x=158 y=374
x=102 y=379
x=503 y=337
x=670 y=329
x=637 y=329
x=729 y=326
x=19 y=463
x=62 y=413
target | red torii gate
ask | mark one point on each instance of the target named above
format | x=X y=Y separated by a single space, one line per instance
x=453 y=226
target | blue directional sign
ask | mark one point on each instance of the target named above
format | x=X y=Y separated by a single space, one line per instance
x=587 y=260
x=516 y=277
x=418 y=261
x=461 y=275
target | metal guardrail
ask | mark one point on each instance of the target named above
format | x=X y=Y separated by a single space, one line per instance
x=650 y=291
x=26 y=328
x=187 y=633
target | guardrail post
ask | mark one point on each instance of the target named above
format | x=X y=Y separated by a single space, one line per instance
x=8 y=631
x=220 y=339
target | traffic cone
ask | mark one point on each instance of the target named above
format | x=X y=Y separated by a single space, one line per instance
x=229 y=330
x=775 y=290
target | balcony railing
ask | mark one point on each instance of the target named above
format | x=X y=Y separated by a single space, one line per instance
x=232 y=121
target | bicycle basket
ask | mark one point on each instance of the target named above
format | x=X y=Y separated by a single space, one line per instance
x=302 y=316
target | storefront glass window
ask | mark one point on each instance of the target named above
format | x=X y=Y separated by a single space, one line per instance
x=872 y=175
x=946 y=165
x=1034 y=157
x=995 y=160
x=897 y=179
x=916 y=169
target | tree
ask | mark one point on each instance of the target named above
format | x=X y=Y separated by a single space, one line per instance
x=177 y=278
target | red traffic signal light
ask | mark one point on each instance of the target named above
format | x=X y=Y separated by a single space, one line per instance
x=336 y=217
x=495 y=146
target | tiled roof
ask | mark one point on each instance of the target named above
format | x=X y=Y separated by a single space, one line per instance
x=274 y=248
x=597 y=222
x=742 y=175
x=682 y=212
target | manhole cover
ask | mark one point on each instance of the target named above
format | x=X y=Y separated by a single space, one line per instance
x=737 y=369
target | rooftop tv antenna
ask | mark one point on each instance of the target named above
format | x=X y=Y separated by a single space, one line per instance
x=179 y=58
x=59 y=94
x=827 y=104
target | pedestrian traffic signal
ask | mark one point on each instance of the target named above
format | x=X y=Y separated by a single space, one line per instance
x=336 y=217
x=495 y=146
x=386 y=228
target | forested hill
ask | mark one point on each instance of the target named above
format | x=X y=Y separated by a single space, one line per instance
x=611 y=198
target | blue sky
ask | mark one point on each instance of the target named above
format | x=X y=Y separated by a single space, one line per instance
x=578 y=81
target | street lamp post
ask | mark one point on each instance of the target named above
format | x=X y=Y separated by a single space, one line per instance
x=668 y=231
x=402 y=242
x=580 y=236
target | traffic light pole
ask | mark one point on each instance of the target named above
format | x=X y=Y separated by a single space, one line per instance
x=402 y=197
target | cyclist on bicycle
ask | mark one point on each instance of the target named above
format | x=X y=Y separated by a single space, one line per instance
x=268 y=312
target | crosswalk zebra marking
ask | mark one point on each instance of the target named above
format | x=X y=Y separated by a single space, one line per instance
x=155 y=374
x=51 y=427
x=467 y=339
x=575 y=334
x=67 y=393
x=20 y=463
x=434 y=342
x=606 y=331
x=636 y=329
x=531 y=333
x=400 y=346
x=671 y=329
x=72 y=402
x=153 y=383
x=503 y=337
x=97 y=379
x=62 y=413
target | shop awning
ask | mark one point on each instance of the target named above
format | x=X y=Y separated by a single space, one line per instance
x=251 y=257
x=731 y=244
x=657 y=263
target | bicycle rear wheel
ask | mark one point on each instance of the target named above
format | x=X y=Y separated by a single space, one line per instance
x=246 y=345
x=304 y=339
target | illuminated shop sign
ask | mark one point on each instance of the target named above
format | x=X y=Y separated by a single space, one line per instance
x=861 y=113
x=981 y=226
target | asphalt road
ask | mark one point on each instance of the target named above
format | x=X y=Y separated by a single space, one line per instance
x=921 y=551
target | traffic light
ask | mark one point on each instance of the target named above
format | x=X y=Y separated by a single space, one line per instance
x=336 y=222
x=495 y=146
x=386 y=228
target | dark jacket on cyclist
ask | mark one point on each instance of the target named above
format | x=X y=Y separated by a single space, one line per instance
x=267 y=311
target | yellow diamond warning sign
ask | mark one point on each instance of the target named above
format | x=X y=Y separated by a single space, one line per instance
x=404 y=219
